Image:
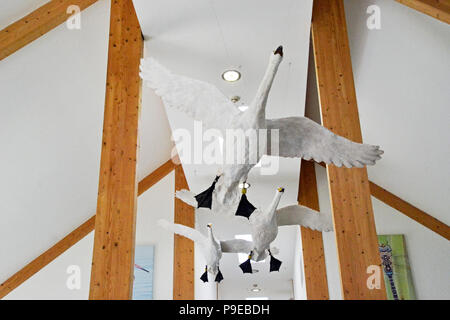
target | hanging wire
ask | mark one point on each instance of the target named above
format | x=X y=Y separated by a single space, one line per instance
x=219 y=26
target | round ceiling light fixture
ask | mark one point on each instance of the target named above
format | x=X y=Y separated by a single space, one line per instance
x=231 y=75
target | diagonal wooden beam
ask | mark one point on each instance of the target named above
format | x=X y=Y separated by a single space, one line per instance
x=409 y=210
x=35 y=24
x=312 y=242
x=183 y=255
x=76 y=235
x=438 y=9
x=354 y=224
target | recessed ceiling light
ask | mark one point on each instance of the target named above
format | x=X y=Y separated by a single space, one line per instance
x=231 y=75
x=243 y=107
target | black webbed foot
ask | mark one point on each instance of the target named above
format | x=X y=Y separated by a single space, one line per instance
x=204 y=199
x=245 y=208
x=219 y=276
x=204 y=276
x=275 y=264
x=246 y=266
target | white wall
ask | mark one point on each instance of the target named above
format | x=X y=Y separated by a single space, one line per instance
x=52 y=96
x=50 y=283
x=298 y=277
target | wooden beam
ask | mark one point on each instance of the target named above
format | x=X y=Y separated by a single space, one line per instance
x=438 y=9
x=354 y=224
x=156 y=176
x=312 y=242
x=45 y=258
x=409 y=210
x=37 y=23
x=76 y=235
x=183 y=255
x=113 y=258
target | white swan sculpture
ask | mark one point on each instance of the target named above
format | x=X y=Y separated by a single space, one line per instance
x=264 y=228
x=264 y=225
x=211 y=247
x=299 y=137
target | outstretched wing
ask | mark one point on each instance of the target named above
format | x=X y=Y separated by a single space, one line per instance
x=200 y=100
x=236 y=246
x=306 y=217
x=301 y=137
x=184 y=231
x=187 y=196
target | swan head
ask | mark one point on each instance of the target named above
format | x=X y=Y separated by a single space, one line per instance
x=209 y=226
x=279 y=51
x=277 y=56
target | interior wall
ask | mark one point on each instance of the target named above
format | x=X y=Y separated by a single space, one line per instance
x=298 y=277
x=51 y=115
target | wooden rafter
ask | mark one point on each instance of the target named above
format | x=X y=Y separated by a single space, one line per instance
x=408 y=209
x=183 y=255
x=354 y=224
x=312 y=242
x=35 y=24
x=76 y=235
x=438 y=9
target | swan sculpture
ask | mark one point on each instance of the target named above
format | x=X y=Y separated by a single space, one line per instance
x=210 y=247
x=264 y=225
x=264 y=228
x=299 y=137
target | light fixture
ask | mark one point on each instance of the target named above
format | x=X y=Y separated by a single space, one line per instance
x=255 y=288
x=235 y=99
x=243 y=107
x=231 y=75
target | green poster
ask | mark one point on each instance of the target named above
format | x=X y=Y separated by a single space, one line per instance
x=396 y=269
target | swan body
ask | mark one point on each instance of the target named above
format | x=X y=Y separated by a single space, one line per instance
x=299 y=137
x=210 y=247
x=265 y=223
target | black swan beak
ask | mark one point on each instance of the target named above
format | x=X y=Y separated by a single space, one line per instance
x=279 y=51
x=204 y=276
x=204 y=199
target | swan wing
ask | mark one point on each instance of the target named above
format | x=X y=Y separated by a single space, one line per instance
x=300 y=137
x=184 y=231
x=236 y=246
x=304 y=216
x=200 y=100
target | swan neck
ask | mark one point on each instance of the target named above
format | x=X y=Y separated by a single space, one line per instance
x=260 y=100
x=276 y=200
